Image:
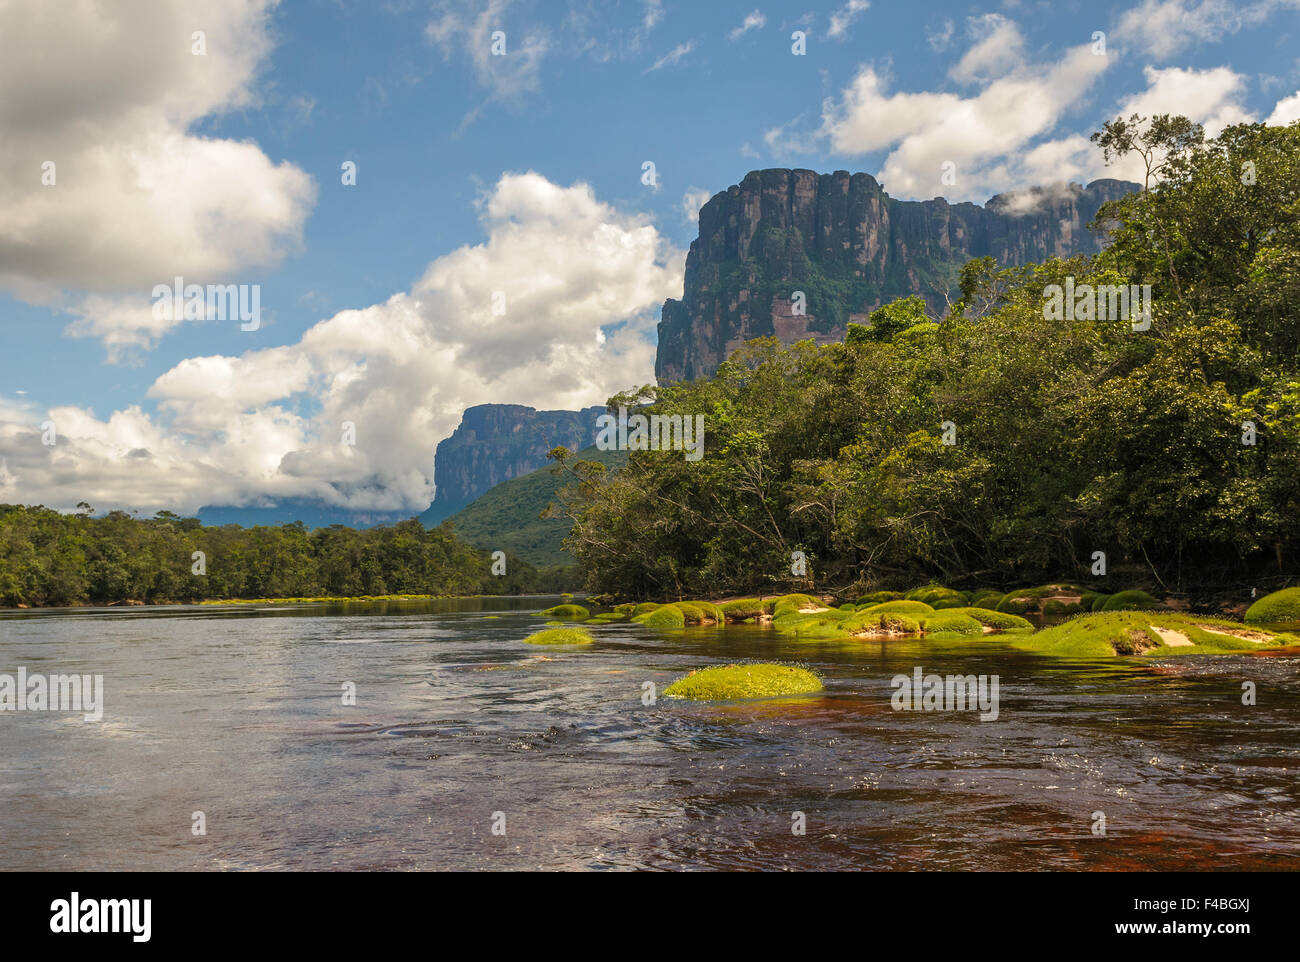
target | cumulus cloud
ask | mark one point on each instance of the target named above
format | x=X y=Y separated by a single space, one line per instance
x=133 y=198
x=998 y=49
x=984 y=135
x=580 y=283
x=1212 y=98
x=1287 y=110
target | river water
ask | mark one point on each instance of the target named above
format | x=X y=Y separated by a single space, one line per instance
x=237 y=712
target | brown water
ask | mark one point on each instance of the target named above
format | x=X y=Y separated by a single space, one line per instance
x=236 y=712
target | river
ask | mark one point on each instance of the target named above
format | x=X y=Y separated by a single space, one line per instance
x=459 y=728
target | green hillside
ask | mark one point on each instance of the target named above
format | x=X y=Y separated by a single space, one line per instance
x=507 y=518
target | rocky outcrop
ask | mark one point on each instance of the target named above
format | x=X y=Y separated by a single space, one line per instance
x=497 y=442
x=849 y=247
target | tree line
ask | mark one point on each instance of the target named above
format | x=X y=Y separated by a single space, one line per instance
x=51 y=558
x=992 y=445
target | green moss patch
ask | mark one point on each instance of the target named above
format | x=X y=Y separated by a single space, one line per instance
x=561 y=636
x=1278 y=609
x=743 y=608
x=726 y=682
x=1131 y=601
x=913 y=608
x=997 y=620
x=1110 y=633
x=572 y=612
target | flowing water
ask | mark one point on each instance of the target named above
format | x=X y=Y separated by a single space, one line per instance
x=237 y=712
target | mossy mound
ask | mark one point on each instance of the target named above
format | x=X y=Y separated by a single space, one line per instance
x=998 y=620
x=662 y=616
x=1013 y=603
x=561 y=636
x=1099 y=602
x=726 y=682
x=1131 y=601
x=1110 y=633
x=950 y=621
x=644 y=608
x=937 y=596
x=874 y=623
x=986 y=599
x=626 y=610
x=879 y=597
x=1052 y=608
x=1278 y=609
x=794 y=603
x=913 y=608
x=743 y=608
x=571 y=612
x=820 y=624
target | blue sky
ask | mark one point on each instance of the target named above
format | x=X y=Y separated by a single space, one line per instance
x=478 y=173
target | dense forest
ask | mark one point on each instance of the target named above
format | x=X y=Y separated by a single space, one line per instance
x=992 y=445
x=51 y=558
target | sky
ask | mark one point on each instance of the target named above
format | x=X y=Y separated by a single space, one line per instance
x=457 y=202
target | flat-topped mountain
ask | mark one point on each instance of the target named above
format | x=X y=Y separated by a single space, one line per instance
x=849 y=247
x=497 y=442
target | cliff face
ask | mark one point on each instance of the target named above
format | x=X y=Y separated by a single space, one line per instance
x=850 y=248
x=497 y=442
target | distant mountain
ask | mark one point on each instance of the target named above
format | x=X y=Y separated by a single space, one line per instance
x=849 y=247
x=506 y=517
x=497 y=442
x=310 y=511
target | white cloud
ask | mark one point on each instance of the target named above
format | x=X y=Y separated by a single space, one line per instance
x=1164 y=28
x=1210 y=97
x=137 y=199
x=692 y=201
x=998 y=50
x=268 y=422
x=939 y=38
x=466 y=27
x=978 y=133
x=1287 y=110
x=755 y=21
x=843 y=18
x=672 y=56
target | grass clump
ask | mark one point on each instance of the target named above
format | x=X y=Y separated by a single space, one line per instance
x=998 y=620
x=561 y=636
x=793 y=604
x=743 y=608
x=663 y=616
x=1131 y=601
x=875 y=623
x=1144 y=633
x=569 y=612
x=879 y=597
x=914 y=608
x=727 y=682
x=1279 y=608
x=986 y=599
x=950 y=621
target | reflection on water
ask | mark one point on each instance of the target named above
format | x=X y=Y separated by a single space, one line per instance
x=237 y=712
